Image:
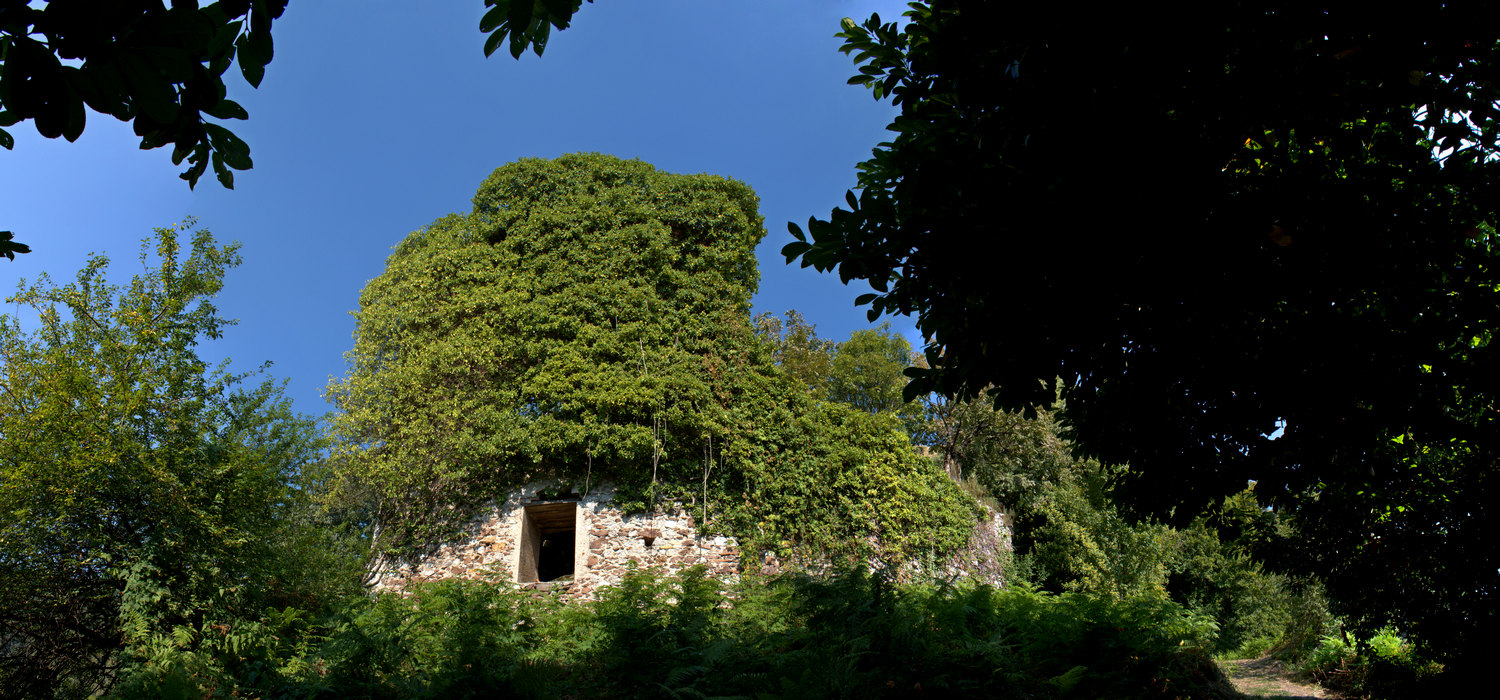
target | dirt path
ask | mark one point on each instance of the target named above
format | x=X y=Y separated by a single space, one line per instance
x=1267 y=678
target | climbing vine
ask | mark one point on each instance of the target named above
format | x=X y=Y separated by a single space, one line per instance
x=590 y=320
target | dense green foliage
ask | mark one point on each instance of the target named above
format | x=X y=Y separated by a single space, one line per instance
x=833 y=483
x=865 y=372
x=590 y=321
x=798 y=350
x=1289 y=222
x=586 y=319
x=218 y=572
x=141 y=491
x=1072 y=536
x=1384 y=665
x=681 y=636
x=167 y=531
x=1229 y=565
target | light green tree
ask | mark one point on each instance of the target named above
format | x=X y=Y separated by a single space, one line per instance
x=798 y=350
x=139 y=488
x=866 y=371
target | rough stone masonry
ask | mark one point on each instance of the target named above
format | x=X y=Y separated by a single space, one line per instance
x=574 y=544
x=547 y=538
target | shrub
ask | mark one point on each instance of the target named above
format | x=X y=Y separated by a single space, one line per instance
x=849 y=635
x=1387 y=665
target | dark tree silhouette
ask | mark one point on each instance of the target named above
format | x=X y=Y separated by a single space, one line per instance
x=1205 y=227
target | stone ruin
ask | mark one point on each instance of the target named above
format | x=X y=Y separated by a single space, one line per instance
x=545 y=537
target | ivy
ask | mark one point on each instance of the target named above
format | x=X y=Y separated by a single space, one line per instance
x=589 y=320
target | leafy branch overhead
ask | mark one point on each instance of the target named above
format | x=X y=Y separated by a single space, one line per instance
x=160 y=68
x=9 y=247
x=525 y=23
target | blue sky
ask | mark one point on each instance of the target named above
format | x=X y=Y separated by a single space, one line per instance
x=378 y=116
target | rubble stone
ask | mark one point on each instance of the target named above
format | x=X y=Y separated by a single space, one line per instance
x=606 y=543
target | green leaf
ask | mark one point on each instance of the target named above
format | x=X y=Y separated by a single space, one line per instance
x=8 y=247
x=560 y=12
x=793 y=250
x=254 y=52
x=149 y=91
x=236 y=153
x=795 y=230
x=492 y=43
x=224 y=40
x=199 y=161
x=216 y=13
x=494 y=18
x=225 y=175
x=518 y=15
x=181 y=151
x=227 y=109
x=77 y=117
x=260 y=16
x=540 y=31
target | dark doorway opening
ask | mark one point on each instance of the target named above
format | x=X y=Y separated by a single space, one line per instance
x=547 y=542
x=556 y=558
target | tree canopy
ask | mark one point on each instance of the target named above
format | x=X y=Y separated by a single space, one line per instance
x=864 y=372
x=138 y=487
x=1254 y=217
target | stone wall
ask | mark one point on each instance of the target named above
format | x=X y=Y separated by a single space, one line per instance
x=987 y=556
x=503 y=545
